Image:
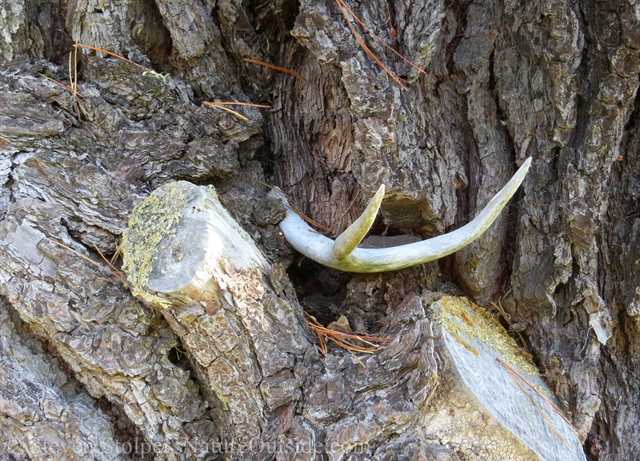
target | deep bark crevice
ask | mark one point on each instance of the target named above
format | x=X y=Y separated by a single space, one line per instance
x=153 y=38
x=634 y=117
x=320 y=290
x=459 y=10
x=130 y=437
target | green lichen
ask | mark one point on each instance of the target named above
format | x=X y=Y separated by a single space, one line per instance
x=152 y=222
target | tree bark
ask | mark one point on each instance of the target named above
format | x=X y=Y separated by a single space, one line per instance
x=502 y=81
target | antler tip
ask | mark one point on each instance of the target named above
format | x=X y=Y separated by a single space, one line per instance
x=353 y=235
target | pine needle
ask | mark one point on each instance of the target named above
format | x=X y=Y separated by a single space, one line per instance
x=116 y=255
x=271 y=66
x=66 y=87
x=507 y=319
x=345 y=212
x=234 y=103
x=294 y=206
x=102 y=50
x=73 y=84
x=146 y=70
x=237 y=114
x=222 y=104
x=117 y=271
x=514 y=374
x=344 y=340
x=343 y=9
x=110 y=269
x=378 y=38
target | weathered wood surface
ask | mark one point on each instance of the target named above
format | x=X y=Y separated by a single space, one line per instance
x=505 y=80
x=492 y=404
x=185 y=255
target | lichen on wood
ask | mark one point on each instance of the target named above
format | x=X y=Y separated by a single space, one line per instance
x=171 y=236
x=483 y=407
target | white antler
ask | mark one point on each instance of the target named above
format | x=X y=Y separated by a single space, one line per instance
x=344 y=254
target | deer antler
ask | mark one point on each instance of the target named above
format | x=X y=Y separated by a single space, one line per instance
x=344 y=254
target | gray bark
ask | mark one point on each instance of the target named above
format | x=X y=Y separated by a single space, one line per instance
x=504 y=80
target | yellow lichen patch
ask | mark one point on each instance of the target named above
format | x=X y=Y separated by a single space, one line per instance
x=151 y=221
x=463 y=319
x=467 y=319
x=466 y=345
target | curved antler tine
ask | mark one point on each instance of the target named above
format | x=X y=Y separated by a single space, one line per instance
x=352 y=259
x=490 y=212
x=353 y=235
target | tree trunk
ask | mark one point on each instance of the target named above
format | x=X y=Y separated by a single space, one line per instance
x=95 y=372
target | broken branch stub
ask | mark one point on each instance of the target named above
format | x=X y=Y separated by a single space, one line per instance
x=178 y=238
x=186 y=256
x=492 y=402
x=344 y=253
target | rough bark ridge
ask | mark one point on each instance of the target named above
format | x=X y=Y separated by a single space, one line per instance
x=555 y=80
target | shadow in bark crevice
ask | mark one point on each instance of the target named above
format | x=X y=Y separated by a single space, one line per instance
x=320 y=290
x=153 y=38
